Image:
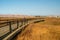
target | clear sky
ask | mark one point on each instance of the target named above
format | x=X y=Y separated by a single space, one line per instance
x=30 y=7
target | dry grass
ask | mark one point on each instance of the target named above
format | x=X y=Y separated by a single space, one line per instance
x=53 y=21
x=47 y=30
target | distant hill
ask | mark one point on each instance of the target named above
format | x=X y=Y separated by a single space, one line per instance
x=17 y=16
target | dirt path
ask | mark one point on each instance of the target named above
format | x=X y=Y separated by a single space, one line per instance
x=39 y=31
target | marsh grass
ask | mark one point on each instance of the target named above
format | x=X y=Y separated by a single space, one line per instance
x=47 y=30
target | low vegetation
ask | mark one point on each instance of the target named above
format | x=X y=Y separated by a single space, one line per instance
x=45 y=30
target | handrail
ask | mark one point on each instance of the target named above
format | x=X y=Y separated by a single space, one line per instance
x=10 y=23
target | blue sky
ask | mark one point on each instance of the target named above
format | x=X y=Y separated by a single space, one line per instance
x=30 y=7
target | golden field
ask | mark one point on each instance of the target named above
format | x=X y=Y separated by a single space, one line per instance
x=44 y=30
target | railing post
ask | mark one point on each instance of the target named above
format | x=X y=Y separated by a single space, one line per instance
x=21 y=22
x=17 y=23
x=10 y=27
x=26 y=20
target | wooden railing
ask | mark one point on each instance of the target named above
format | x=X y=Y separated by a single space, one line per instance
x=8 y=27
